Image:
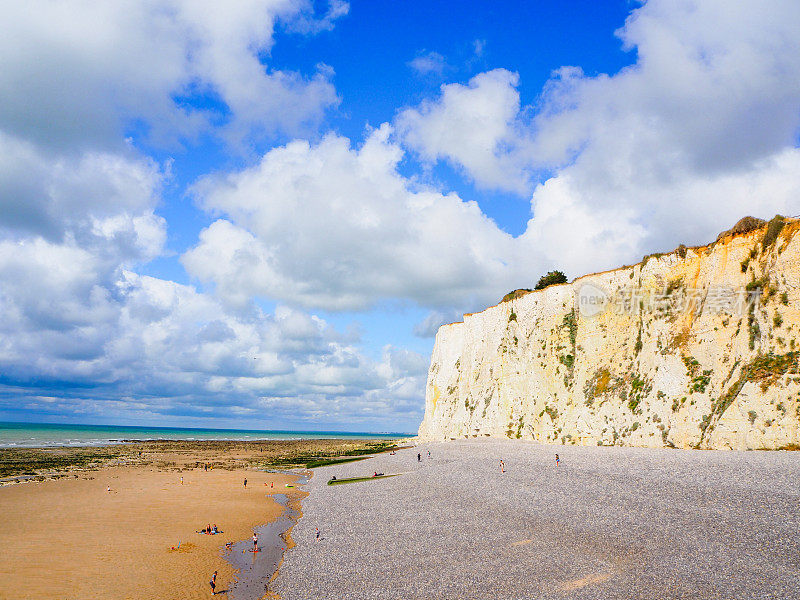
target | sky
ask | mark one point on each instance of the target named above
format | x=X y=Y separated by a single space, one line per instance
x=257 y=214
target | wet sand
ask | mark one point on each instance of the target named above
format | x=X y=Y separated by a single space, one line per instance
x=256 y=570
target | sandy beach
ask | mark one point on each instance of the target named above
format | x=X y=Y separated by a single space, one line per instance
x=70 y=538
x=608 y=523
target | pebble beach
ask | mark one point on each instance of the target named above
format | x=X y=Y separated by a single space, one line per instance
x=608 y=522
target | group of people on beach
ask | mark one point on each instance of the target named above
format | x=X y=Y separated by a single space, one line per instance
x=228 y=546
x=213 y=530
x=209 y=530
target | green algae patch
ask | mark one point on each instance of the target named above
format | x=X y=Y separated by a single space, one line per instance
x=358 y=479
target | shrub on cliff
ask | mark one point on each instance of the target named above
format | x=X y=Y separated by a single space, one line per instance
x=744 y=225
x=552 y=278
x=513 y=295
x=773 y=230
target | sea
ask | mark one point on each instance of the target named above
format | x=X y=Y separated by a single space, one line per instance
x=43 y=435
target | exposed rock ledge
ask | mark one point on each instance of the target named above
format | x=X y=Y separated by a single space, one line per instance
x=725 y=375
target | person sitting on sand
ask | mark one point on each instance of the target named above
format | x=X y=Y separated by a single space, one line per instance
x=215 y=531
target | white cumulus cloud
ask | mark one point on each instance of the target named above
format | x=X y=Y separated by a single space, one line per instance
x=97 y=200
x=80 y=72
x=700 y=130
x=337 y=227
x=478 y=127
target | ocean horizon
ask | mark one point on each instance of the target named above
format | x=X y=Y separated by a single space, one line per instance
x=43 y=435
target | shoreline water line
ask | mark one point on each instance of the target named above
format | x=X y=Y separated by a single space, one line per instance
x=255 y=571
x=49 y=435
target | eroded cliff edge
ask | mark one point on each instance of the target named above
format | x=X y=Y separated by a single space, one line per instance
x=697 y=348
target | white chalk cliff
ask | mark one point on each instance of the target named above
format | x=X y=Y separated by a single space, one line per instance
x=674 y=351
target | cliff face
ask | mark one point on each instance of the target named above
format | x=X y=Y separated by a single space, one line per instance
x=680 y=350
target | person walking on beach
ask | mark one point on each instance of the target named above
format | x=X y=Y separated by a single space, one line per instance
x=245 y=482
x=316 y=533
x=557 y=460
x=213 y=584
x=429 y=453
x=502 y=466
x=419 y=457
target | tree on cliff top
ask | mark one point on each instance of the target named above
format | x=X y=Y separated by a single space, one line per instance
x=552 y=278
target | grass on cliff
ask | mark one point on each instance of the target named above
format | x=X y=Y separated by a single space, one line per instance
x=768 y=368
x=774 y=228
x=513 y=295
x=765 y=369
